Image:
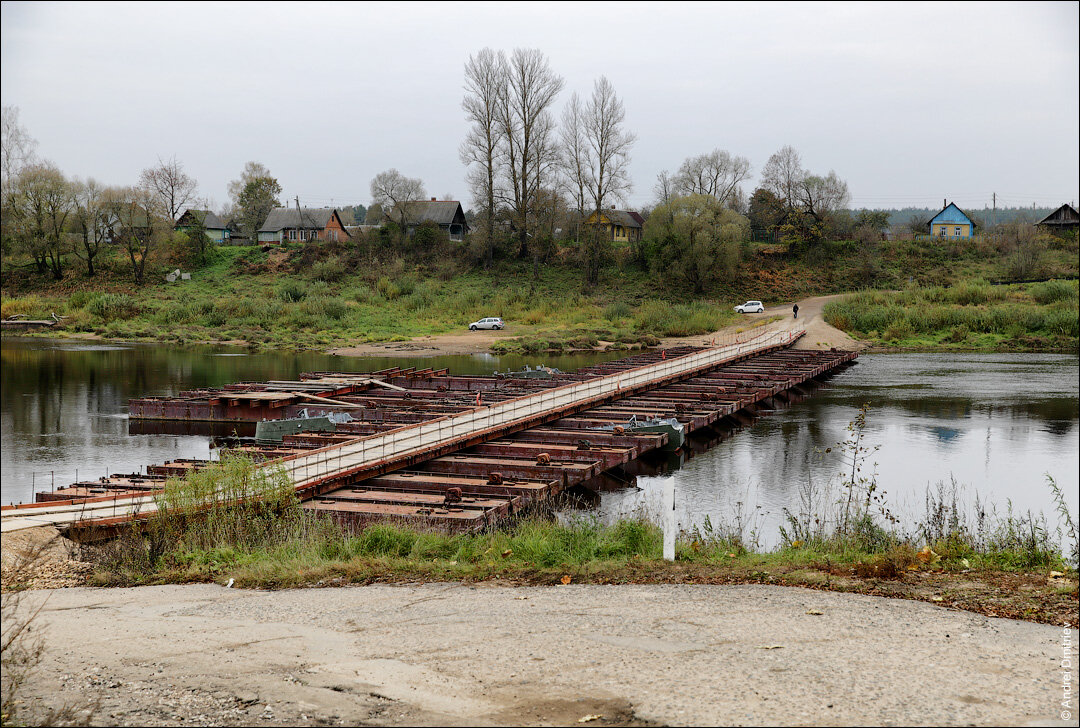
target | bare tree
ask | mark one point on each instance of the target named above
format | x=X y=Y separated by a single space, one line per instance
x=664 y=189
x=717 y=174
x=136 y=225
x=529 y=93
x=174 y=188
x=397 y=195
x=820 y=197
x=91 y=218
x=576 y=154
x=783 y=174
x=18 y=147
x=609 y=178
x=485 y=82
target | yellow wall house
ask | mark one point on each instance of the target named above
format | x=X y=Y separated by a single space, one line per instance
x=951 y=222
x=621 y=226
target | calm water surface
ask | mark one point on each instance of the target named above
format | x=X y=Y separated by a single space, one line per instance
x=994 y=423
x=63 y=407
x=997 y=424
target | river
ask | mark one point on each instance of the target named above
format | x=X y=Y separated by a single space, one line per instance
x=995 y=424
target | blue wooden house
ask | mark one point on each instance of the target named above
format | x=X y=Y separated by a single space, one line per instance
x=951 y=222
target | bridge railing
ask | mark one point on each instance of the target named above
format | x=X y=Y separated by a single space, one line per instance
x=310 y=467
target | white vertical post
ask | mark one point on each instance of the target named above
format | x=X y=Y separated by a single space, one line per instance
x=668 y=519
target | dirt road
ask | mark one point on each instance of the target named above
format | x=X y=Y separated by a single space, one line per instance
x=453 y=654
x=819 y=335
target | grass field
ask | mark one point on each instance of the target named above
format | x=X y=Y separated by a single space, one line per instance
x=973 y=315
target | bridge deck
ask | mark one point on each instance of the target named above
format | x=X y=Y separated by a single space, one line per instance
x=521 y=444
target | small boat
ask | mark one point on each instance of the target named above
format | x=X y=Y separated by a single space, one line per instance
x=526 y=372
x=674 y=429
x=275 y=430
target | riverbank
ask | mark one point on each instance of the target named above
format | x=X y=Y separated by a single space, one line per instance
x=297 y=298
x=971 y=316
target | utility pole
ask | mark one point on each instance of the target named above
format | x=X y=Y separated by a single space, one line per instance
x=993 y=214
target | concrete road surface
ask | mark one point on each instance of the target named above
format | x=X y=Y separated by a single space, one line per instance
x=452 y=654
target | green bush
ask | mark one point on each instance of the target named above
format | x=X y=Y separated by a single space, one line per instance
x=1053 y=291
x=292 y=291
x=330 y=270
x=113 y=306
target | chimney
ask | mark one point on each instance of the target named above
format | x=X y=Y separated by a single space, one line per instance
x=434 y=199
x=944 y=204
x=613 y=207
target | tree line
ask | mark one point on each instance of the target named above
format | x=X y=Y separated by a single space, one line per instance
x=52 y=217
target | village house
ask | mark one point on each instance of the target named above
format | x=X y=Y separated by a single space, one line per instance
x=447 y=214
x=286 y=224
x=951 y=222
x=1063 y=220
x=619 y=226
x=216 y=230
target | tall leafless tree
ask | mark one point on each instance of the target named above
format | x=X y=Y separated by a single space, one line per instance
x=485 y=81
x=135 y=218
x=530 y=90
x=717 y=174
x=91 y=220
x=783 y=174
x=576 y=154
x=16 y=144
x=173 y=187
x=397 y=195
x=609 y=151
x=820 y=197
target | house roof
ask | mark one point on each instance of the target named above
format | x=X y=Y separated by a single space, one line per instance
x=1064 y=215
x=440 y=212
x=951 y=214
x=626 y=218
x=210 y=221
x=307 y=218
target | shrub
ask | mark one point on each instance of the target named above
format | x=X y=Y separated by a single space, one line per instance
x=292 y=291
x=1053 y=291
x=112 y=306
x=617 y=311
x=329 y=270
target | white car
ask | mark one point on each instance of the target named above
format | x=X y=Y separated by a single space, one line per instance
x=487 y=323
x=750 y=307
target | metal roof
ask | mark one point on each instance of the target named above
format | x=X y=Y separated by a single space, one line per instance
x=307 y=218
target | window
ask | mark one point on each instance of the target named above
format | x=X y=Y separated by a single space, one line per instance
x=941 y=231
x=292 y=235
x=957 y=231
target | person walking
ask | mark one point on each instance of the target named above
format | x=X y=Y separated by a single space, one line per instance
x=795 y=310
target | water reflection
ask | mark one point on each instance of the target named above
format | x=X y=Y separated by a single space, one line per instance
x=63 y=404
x=995 y=423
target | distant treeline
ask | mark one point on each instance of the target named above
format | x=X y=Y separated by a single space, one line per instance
x=983 y=217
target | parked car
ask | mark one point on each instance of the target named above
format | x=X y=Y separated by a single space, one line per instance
x=487 y=323
x=750 y=307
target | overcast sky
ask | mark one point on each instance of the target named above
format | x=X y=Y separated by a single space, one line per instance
x=909 y=103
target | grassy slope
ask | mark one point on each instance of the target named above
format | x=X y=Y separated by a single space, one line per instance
x=308 y=299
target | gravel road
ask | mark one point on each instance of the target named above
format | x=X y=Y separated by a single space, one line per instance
x=453 y=654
